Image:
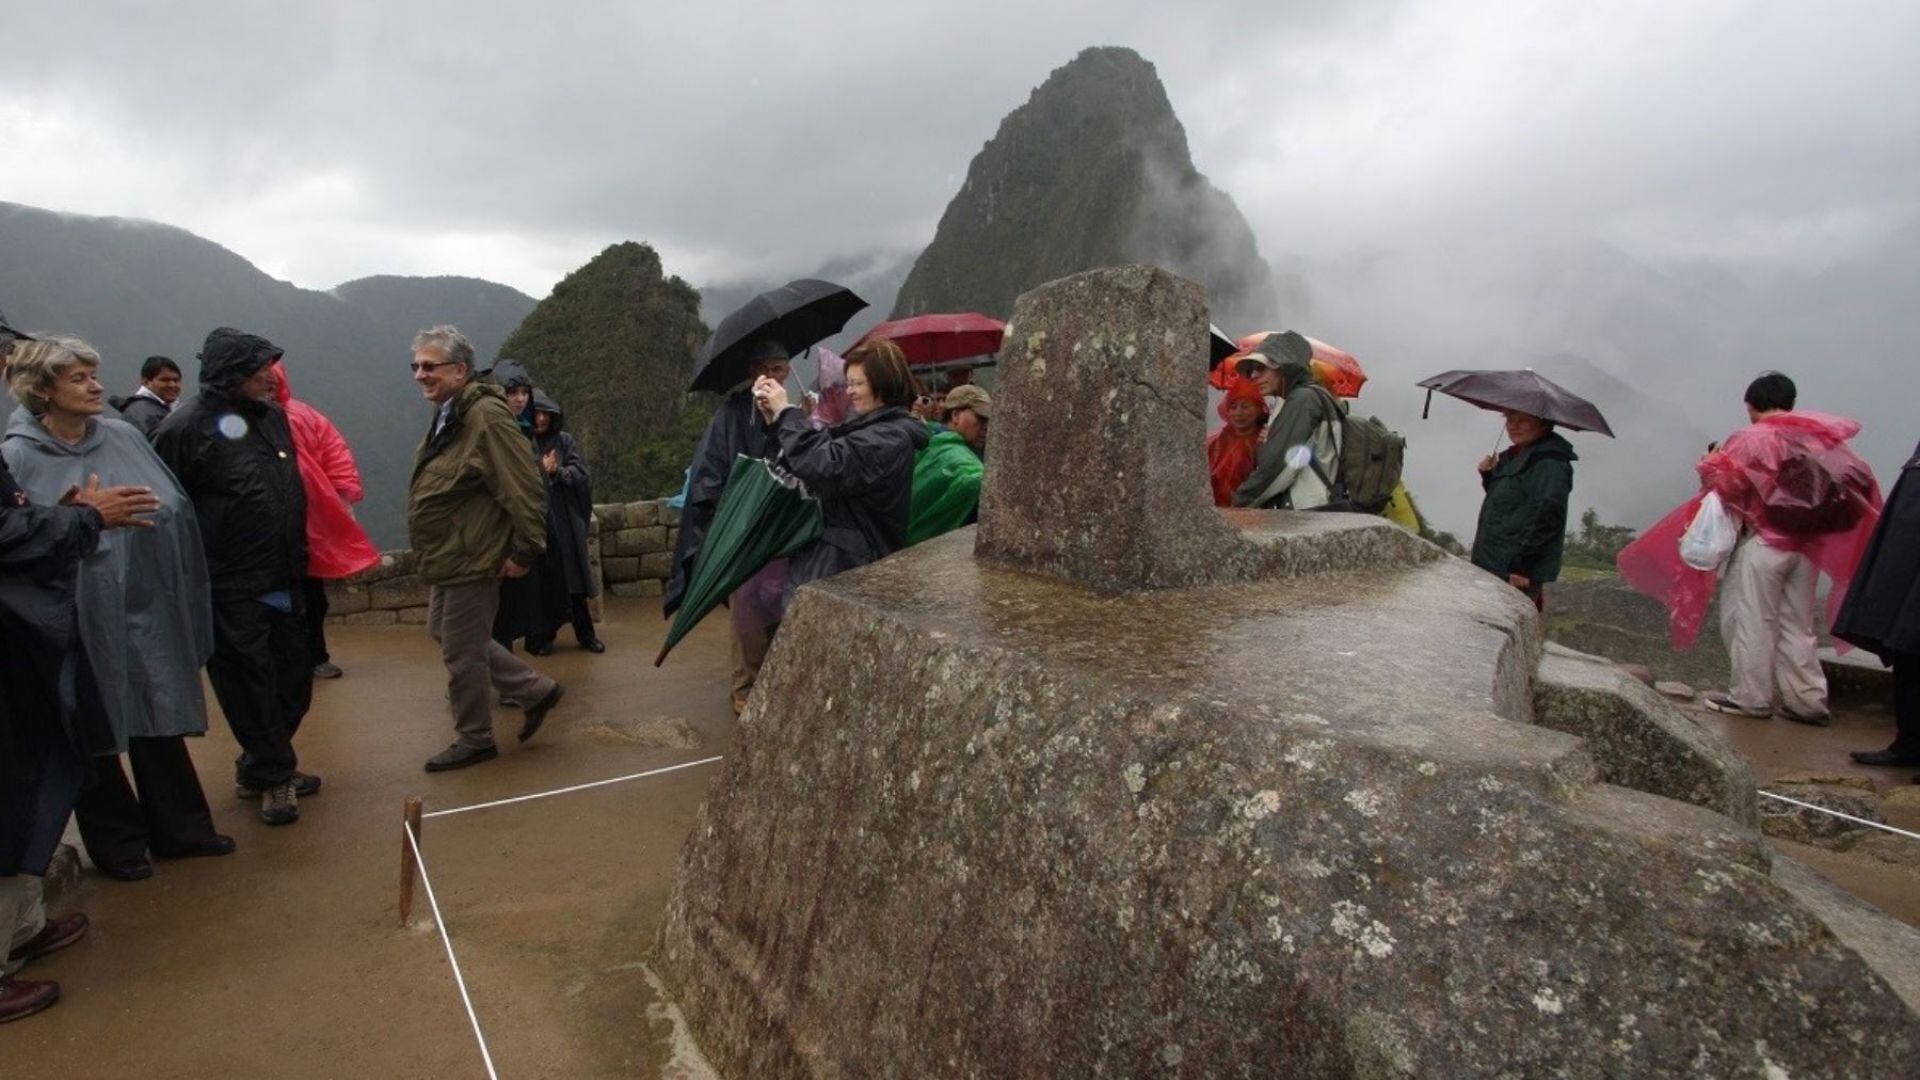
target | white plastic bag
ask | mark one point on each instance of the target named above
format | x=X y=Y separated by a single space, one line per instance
x=1710 y=538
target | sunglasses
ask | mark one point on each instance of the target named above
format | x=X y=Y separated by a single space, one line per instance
x=418 y=366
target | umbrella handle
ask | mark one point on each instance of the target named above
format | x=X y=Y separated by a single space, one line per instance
x=1427 y=409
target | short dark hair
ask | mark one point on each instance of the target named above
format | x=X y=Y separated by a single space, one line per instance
x=886 y=370
x=155 y=365
x=1771 y=391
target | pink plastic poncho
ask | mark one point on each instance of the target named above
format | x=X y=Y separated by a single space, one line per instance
x=337 y=547
x=1746 y=472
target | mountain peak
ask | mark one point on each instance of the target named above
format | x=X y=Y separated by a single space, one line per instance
x=1093 y=170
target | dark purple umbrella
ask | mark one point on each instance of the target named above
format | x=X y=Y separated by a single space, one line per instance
x=1521 y=391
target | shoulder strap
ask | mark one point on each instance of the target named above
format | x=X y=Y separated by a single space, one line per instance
x=1334 y=419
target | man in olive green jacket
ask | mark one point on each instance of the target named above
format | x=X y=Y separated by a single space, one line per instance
x=476 y=513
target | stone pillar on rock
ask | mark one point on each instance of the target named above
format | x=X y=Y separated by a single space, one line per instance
x=1097 y=472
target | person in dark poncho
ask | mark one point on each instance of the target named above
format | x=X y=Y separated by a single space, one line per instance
x=735 y=430
x=1882 y=612
x=1522 y=529
x=233 y=451
x=861 y=470
x=566 y=569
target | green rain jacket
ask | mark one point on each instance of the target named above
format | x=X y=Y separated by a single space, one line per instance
x=946 y=487
x=477 y=496
x=1523 y=519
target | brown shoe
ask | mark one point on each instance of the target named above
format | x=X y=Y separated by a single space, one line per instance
x=21 y=998
x=56 y=935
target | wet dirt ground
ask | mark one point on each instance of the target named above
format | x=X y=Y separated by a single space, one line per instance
x=286 y=958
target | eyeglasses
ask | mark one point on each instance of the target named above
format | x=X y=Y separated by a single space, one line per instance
x=418 y=366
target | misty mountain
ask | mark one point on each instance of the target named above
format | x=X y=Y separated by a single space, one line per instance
x=137 y=288
x=1093 y=170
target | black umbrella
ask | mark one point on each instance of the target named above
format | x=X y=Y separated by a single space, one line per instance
x=8 y=333
x=1219 y=346
x=796 y=315
x=1521 y=391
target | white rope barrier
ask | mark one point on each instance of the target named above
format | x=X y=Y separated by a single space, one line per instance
x=566 y=790
x=459 y=980
x=1848 y=817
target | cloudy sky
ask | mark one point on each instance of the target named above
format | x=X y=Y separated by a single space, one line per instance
x=510 y=141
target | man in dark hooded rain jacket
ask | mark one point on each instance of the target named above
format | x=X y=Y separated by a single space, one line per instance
x=736 y=429
x=233 y=451
x=43 y=752
x=1882 y=612
x=1308 y=417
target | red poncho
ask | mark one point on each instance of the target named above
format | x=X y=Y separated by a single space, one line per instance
x=1231 y=455
x=337 y=547
x=1746 y=472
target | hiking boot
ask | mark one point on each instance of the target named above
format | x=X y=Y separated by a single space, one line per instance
x=1821 y=719
x=459 y=756
x=536 y=713
x=20 y=998
x=304 y=784
x=327 y=670
x=139 y=870
x=1722 y=703
x=280 y=805
x=56 y=935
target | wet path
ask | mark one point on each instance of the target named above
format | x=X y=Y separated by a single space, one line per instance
x=286 y=960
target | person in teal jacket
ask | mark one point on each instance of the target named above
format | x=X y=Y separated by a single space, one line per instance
x=1523 y=519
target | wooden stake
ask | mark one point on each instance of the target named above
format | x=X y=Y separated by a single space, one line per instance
x=409 y=867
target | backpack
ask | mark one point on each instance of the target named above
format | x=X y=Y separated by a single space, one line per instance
x=1370 y=456
x=1808 y=499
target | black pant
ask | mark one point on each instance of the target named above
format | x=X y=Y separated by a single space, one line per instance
x=1906 y=701
x=263 y=678
x=582 y=624
x=169 y=813
x=316 y=595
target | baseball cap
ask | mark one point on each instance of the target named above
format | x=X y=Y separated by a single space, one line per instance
x=969 y=396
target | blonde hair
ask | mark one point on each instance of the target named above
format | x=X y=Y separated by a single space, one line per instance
x=33 y=366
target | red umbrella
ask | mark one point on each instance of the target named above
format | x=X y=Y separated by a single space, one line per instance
x=1333 y=368
x=936 y=339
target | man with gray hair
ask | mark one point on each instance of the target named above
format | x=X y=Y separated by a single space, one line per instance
x=476 y=513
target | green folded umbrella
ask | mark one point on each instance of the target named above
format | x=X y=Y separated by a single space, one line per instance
x=763 y=515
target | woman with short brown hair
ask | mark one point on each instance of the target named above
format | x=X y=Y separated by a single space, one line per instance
x=861 y=470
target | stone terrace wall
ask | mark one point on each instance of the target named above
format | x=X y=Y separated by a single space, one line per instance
x=631 y=549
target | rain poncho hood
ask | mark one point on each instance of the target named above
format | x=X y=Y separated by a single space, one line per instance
x=146 y=620
x=946 y=487
x=337 y=547
x=1231 y=456
x=1744 y=472
x=230 y=357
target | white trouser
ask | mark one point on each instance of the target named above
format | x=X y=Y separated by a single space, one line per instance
x=22 y=914
x=1766 y=616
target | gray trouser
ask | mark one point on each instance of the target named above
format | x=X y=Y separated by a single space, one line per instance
x=460 y=618
x=22 y=913
x=1767 y=610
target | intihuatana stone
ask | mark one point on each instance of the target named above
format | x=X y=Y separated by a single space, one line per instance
x=1099 y=476
x=1078 y=809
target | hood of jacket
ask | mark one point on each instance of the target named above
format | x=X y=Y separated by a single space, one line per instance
x=26 y=426
x=230 y=357
x=916 y=428
x=1552 y=444
x=508 y=374
x=543 y=404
